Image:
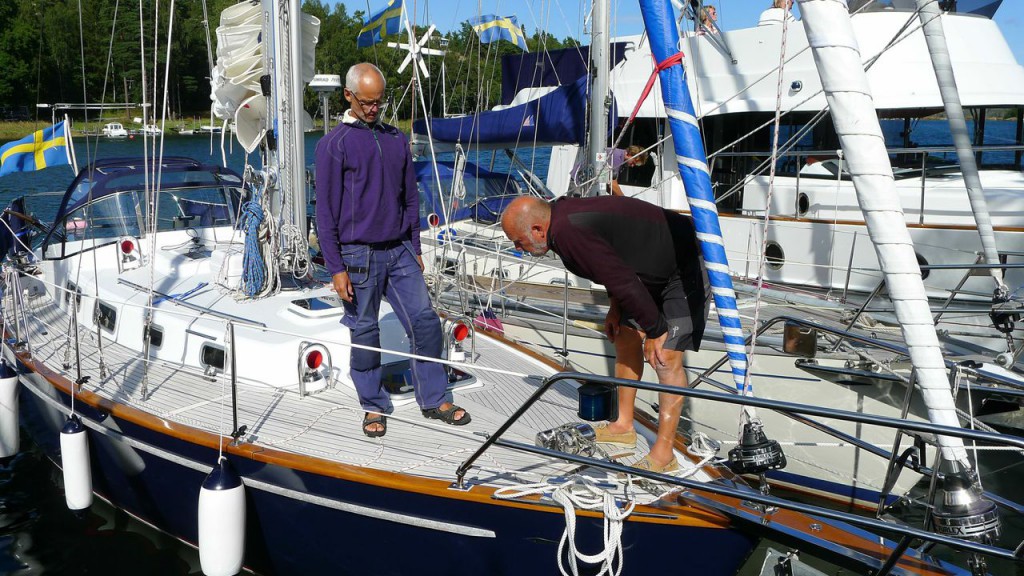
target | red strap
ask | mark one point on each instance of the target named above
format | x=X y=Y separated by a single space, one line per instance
x=672 y=60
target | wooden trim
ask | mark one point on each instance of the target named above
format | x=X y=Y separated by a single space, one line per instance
x=797 y=521
x=675 y=514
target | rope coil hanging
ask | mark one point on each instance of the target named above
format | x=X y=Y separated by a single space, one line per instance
x=253 y=223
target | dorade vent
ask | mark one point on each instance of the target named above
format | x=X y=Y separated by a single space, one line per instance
x=105 y=316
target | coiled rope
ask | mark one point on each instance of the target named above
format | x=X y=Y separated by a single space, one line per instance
x=581 y=492
x=254 y=266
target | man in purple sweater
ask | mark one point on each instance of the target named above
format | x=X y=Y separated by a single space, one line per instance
x=367 y=214
x=649 y=261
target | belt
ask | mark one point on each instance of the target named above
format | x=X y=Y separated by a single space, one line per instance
x=385 y=245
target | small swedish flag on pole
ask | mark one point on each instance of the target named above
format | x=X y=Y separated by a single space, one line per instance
x=41 y=149
x=492 y=28
x=387 y=21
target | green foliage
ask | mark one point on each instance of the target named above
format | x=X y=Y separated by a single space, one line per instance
x=43 y=55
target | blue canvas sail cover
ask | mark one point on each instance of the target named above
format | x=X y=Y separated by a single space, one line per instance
x=14 y=230
x=559 y=117
x=487 y=193
x=548 y=68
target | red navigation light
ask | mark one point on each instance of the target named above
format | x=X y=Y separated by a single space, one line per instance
x=433 y=219
x=460 y=332
x=314 y=359
x=127 y=246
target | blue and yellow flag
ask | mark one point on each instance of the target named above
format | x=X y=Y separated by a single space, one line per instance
x=43 y=148
x=387 y=21
x=492 y=28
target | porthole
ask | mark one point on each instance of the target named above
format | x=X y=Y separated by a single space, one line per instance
x=922 y=261
x=212 y=356
x=155 y=336
x=105 y=316
x=803 y=204
x=774 y=256
x=72 y=288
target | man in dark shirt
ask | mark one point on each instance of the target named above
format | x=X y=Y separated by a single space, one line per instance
x=367 y=214
x=649 y=261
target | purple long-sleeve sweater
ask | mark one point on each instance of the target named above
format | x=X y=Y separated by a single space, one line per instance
x=365 y=189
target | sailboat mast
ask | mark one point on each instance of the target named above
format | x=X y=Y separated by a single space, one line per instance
x=836 y=55
x=930 y=15
x=599 y=99
x=288 y=96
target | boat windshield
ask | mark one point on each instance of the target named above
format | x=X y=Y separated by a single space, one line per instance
x=111 y=203
x=481 y=196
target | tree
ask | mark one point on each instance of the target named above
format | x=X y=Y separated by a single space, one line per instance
x=50 y=52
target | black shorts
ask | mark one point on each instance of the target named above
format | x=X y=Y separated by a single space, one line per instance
x=685 y=311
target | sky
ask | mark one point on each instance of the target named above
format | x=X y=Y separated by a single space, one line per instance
x=567 y=17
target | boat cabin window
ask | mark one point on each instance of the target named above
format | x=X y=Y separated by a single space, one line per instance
x=198 y=208
x=396 y=378
x=155 y=334
x=212 y=356
x=106 y=219
x=105 y=316
x=72 y=288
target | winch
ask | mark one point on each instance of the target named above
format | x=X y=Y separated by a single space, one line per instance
x=572 y=438
x=755 y=453
x=962 y=512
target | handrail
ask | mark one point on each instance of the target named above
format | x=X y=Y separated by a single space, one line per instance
x=203 y=310
x=885 y=345
x=832 y=152
x=778 y=405
x=746 y=494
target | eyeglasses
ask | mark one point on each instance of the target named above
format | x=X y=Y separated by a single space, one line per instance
x=367 y=105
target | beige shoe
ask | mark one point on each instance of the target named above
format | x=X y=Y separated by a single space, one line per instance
x=649 y=465
x=624 y=440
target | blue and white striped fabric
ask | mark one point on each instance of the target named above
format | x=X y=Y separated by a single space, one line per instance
x=693 y=168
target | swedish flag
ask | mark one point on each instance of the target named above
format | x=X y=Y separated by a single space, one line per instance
x=387 y=21
x=492 y=28
x=43 y=148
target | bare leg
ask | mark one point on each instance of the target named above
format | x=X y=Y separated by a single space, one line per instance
x=629 y=365
x=670 y=407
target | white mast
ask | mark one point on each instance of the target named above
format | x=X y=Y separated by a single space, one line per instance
x=930 y=16
x=599 y=98
x=839 y=63
x=288 y=89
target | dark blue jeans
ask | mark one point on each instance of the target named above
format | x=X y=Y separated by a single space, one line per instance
x=390 y=269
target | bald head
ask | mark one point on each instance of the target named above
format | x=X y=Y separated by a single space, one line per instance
x=364 y=90
x=525 y=222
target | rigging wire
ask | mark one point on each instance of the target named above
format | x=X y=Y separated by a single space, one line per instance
x=773 y=158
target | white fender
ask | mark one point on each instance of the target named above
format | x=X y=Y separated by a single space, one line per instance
x=9 y=437
x=8 y=411
x=222 y=521
x=74 y=456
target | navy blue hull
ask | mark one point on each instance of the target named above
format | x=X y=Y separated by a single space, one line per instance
x=287 y=535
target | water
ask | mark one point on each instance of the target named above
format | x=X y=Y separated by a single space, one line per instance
x=38 y=535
